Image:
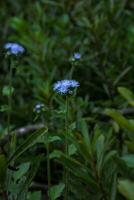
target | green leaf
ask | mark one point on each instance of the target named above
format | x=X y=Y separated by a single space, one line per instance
x=97 y=133
x=127 y=94
x=23 y=168
x=7 y=91
x=34 y=196
x=18 y=24
x=126 y=188
x=72 y=126
x=109 y=156
x=56 y=191
x=55 y=154
x=29 y=177
x=113 y=188
x=79 y=170
x=30 y=141
x=83 y=150
x=122 y=75
x=72 y=149
x=100 y=152
x=129 y=160
x=85 y=133
x=52 y=138
x=122 y=121
x=4 y=108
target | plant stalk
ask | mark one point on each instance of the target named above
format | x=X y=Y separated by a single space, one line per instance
x=9 y=119
x=9 y=98
x=48 y=161
x=66 y=147
x=48 y=166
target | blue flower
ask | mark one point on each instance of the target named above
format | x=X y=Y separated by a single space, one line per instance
x=64 y=86
x=39 y=107
x=77 y=56
x=14 y=48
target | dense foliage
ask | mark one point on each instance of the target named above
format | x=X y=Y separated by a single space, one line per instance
x=73 y=146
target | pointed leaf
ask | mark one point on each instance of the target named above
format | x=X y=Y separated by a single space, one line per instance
x=122 y=121
x=126 y=188
x=30 y=141
x=129 y=160
x=56 y=191
x=127 y=94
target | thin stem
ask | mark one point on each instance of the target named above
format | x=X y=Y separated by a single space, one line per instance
x=71 y=71
x=9 y=119
x=48 y=166
x=66 y=148
x=66 y=127
x=48 y=160
x=9 y=98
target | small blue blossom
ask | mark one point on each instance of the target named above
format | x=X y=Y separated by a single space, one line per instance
x=64 y=86
x=39 y=107
x=77 y=56
x=14 y=48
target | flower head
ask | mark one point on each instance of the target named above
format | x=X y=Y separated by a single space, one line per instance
x=77 y=56
x=39 y=107
x=14 y=48
x=64 y=86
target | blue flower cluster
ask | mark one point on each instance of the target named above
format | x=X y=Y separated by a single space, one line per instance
x=14 y=48
x=64 y=86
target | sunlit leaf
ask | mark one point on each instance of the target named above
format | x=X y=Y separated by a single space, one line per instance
x=126 y=188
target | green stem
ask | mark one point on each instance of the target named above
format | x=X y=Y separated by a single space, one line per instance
x=9 y=117
x=66 y=148
x=48 y=161
x=48 y=166
x=9 y=99
x=72 y=71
